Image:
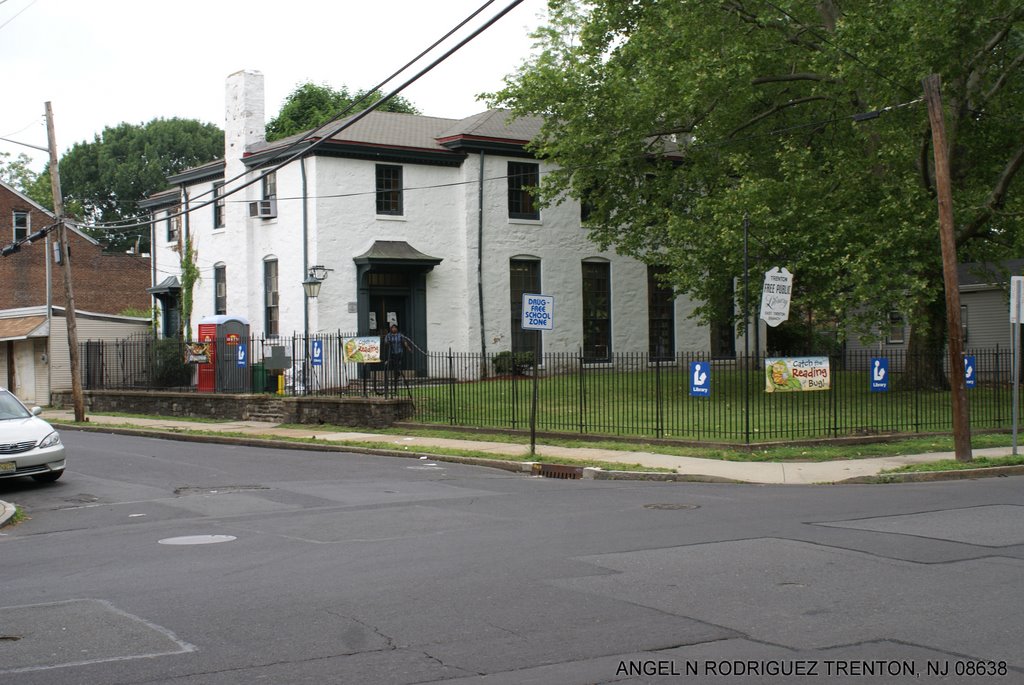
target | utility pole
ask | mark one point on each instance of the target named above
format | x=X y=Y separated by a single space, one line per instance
x=65 y=257
x=943 y=188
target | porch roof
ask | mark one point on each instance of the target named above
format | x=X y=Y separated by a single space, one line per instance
x=23 y=327
x=395 y=253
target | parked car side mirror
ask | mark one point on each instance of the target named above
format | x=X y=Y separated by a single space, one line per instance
x=36 y=411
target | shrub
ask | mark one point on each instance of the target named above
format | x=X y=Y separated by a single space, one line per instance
x=518 y=363
x=169 y=367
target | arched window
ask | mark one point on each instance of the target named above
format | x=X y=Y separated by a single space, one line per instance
x=220 y=289
x=524 y=277
x=271 y=320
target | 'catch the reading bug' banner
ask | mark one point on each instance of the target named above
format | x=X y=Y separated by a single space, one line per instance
x=796 y=374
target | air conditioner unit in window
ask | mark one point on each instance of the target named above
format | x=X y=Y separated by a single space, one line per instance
x=264 y=209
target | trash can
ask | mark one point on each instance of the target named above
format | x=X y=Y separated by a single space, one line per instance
x=259 y=378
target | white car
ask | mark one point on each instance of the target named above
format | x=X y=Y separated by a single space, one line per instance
x=28 y=445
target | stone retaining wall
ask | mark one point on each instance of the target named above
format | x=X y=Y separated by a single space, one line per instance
x=366 y=412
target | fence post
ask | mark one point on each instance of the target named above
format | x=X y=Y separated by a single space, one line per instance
x=515 y=394
x=583 y=393
x=835 y=404
x=451 y=388
x=746 y=399
x=659 y=428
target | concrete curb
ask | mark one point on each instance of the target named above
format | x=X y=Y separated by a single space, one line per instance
x=589 y=473
x=7 y=512
x=505 y=465
x=936 y=476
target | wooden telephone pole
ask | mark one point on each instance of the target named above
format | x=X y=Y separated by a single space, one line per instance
x=77 y=397
x=943 y=188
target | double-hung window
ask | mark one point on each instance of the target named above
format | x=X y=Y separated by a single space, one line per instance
x=218 y=205
x=271 y=320
x=173 y=224
x=20 y=220
x=522 y=176
x=269 y=186
x=220 y=289
x=389 y=189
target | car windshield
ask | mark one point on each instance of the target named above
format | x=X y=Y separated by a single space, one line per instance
x=11 y=408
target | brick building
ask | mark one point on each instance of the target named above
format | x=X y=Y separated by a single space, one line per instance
x=34 y=359
x=104 y=282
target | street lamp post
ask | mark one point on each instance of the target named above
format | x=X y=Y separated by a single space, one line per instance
x=311 y=289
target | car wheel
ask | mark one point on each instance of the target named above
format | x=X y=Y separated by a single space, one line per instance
x=48 y=477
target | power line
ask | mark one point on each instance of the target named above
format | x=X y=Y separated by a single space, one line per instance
x=18 y=13
x=854 y=118
x=306 y=144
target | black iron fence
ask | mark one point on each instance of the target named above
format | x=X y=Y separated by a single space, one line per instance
x=628 y=395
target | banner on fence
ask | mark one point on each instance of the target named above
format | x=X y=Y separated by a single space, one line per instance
x=879 y=374
x=197 y=353
x=364 y=350
x=700 y=379
x=970 y=377
x=797 y=374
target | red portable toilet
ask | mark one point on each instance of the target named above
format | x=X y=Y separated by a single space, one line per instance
x=227 y=368
x=208 y=371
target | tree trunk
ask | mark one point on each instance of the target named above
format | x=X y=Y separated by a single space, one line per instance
x=926 y=351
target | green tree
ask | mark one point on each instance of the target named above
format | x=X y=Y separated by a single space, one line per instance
x=310 y=105
x=16 y=172
x=108 y=176
x=674 y=120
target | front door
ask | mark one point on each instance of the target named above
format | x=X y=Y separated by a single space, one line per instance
x=388 y=309
x=25 y=371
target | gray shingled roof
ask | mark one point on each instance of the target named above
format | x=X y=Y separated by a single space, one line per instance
x=987 y=273
x=495 y=123
x=392 y=129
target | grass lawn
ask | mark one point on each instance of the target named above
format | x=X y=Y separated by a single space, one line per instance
x=953 y=465
x=656 y=403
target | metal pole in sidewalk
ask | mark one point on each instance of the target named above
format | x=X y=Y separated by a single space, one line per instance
x=533 y=401
x=1016 y=319
x=746 y=330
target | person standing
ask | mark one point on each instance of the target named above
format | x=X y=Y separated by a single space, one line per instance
x=395 y=346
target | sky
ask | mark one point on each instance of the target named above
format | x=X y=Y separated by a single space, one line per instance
x=103 y=62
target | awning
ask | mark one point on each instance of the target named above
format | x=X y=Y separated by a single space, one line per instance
x=23 y=327
x=396 y=253
x=165 y=287
x=168 y=286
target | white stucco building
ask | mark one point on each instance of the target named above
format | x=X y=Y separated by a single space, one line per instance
x=422 y=219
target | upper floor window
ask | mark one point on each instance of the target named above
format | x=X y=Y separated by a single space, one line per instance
x=389 y=189
x=220 y=289
x=21 y=225
x=521 y=177
x=218 y=205
x=173 y=224
x=269 y=186
x=894 y=334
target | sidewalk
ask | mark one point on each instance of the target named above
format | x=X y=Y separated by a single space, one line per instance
x=791 y=473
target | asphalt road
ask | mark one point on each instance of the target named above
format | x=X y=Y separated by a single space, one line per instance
x=337 y=568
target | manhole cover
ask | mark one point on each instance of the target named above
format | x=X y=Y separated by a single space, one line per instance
x=197 y=540
x=671 y=507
